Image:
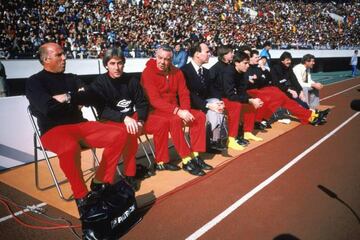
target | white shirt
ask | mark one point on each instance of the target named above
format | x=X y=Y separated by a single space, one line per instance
x=300 y=73
x=354 y=60
x=196 y=67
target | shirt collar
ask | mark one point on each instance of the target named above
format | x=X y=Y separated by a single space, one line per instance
x=196 y=67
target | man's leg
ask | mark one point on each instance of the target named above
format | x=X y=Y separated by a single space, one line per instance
x=158 y=126
x=314 y=98
x=249 y=121
x=198 y=131
x=233 y=110
x=64 y=141
x=353 y=70
x=130 y=150
x=112 y=139
x=177 y=135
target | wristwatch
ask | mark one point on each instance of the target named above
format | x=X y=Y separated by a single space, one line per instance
x=68 y=97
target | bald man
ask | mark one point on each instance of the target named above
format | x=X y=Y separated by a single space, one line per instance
x=55 y=98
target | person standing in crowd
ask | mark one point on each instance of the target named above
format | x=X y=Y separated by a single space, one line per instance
x=310 y=88
x=284 y=78
x=168 y=95
x=265 y=52
x=203 y=95
x=3 y=84
x=353 y=63
x=55 y=99
x=180 y=56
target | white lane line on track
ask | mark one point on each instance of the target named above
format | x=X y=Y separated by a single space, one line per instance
x=341 y=81
x=262 y=185
x=21 y=212
x=335 y=94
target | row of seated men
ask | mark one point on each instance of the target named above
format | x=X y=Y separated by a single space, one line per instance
x=177 y=97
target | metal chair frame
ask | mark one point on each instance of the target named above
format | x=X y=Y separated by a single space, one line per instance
x=142 y=144
x=39 y=146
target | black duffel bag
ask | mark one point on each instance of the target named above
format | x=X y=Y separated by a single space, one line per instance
x=119 y=201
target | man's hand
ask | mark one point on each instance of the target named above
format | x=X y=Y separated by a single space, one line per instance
x=302 y=96
x=256 y=102
x=131 y=124
x=317 y=86
x=216 y=107
x=252 y=78
x=61 y=97
x=293 y=93
x=185 y=115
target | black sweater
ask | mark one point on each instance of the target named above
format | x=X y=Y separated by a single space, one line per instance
x=284 y=78
x=216 y=75
x=263 y=78
x=50 y=113
x=121 y=97
x=234 y=85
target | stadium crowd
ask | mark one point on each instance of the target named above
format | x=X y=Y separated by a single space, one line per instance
x=85 y=28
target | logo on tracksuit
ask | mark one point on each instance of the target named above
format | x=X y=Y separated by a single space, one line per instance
x=123 y=105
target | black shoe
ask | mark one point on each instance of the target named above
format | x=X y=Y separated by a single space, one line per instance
x=133 y=183
x=217 y=146
x=202 y=164
x=214 y=150
x=167 y=166
x=266 y=124
x=98 y=188
x=323 y=114
x=193 y=168
x=242 y=141
x=321 y=118
x=91 y=208
x=259 y=126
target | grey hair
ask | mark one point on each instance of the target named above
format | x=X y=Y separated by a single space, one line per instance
x=166 y=48
x=113 y=53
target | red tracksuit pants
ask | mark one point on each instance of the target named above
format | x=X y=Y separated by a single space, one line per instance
x=64 y=141
x=274 y=98
x=159 y=128
x=197 y=132
x=233 y=110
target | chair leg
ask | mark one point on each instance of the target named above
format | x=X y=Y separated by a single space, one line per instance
x=145 y=151
x=52 y=172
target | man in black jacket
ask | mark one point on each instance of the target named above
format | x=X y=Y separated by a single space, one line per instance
x=54 y=99
x=273 y=98
x=125 y=105
x=284 y=78
x=198 y=81
x=225 y=57
x=235 y=92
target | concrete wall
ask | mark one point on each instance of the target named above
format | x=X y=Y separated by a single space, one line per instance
x=16 y=69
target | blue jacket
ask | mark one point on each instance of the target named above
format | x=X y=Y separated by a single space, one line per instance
x=179 y=58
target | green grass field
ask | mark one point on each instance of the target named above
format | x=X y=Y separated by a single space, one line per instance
x=331 y=77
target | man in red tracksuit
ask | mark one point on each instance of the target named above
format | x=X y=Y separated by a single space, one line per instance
x=168 y=95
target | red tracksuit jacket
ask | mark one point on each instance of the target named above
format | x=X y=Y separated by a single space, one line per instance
x=163 y=89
